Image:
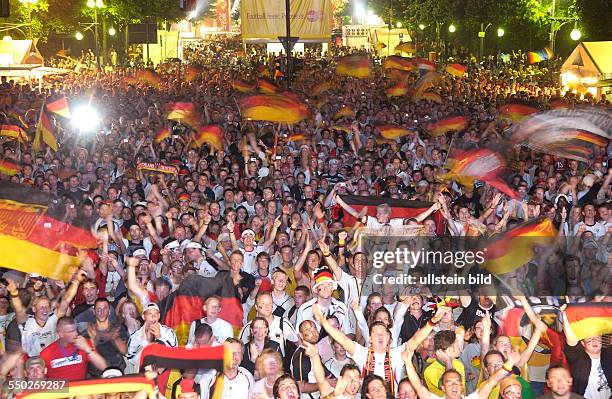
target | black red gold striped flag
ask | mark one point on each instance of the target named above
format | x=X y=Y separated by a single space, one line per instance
x=399 y=63
x=281 y=108
x=393 y=131
x=162 y=135
x=44 y=132
x=344 y=112
x=209 y=358
x=516 y=112
x=59 y=107
x=211 y=134
x=13 y=131
x=242 y=86
x=456 y=123
x=515 y=247
x=457 y=70
x=267 y=87
x=357 y=66
x=93 y=388
x=9 y=168
x=590 y=318
x=33 y=239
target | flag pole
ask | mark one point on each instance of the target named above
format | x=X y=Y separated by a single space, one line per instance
x=37 y=135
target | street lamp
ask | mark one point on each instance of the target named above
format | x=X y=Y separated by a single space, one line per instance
x=398 y=25
x=112 y=31
x=575 y=35
x=78 y=36
x=421 y=27
x=452 y=28
x=28 y=4
x=95 y=4
x=500 y=32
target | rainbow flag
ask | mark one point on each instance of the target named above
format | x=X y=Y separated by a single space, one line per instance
x=44 y=132
x=274 y=108
x=211 y=134
x=590 y=318
x=457 y=70
x=162 y=135
x=442 y=126
x=267 y=87
x=516 y=111
x=357 y=66
x=393 y=131
x=13 y=131
x=191 y=73
x=242 y=86
x=33 y=238
x=539 y=55
x=344 y=112
x=425 y=65
x=397 y=90
x=515 y=248
x=59 y=107
x=9 y=168
x=406 y=47
x=399 y=63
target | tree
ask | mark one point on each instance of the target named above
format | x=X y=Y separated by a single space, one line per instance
x=595 y=17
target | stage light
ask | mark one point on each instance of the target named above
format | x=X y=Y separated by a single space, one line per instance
x=85 y=118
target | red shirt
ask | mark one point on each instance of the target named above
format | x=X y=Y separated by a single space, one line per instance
x=65 y=363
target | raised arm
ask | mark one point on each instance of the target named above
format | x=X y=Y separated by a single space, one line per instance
x=424 y=331
x=71 y=291
x=352 y=211
x=570 y=337
x=413 y=376
x=485 y=390
x=329 y=259
x=20 y=312
x=317 y=367
x=333 y=332
x=132 y=282
x=425 y=214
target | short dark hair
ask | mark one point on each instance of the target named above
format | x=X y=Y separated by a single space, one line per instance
x=202 y=330
x=64 y=320
x=448 y=372
x=551 y=368
x=278 y=382
x=491 y=353
x=303 y=289
x=444 y=339
x=349 y=367
x=368 y=380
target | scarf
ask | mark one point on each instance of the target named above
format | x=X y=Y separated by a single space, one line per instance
x=370 y=364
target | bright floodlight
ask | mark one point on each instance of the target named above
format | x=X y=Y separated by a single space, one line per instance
x=500 y=32
x=112 y=31
x=399 y=24
x=192 y=15
x=421 y=26
x=85 y=118
x=78 y=36
x=91 y=3
x=452 y=28
x=7 y=38
x=575 y=34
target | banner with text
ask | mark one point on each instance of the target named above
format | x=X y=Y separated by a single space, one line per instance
x=311 y=20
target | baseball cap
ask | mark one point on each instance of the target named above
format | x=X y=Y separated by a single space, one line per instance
x=247 y=232
x=151 y=306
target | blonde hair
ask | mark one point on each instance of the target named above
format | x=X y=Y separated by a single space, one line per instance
x=259 y=363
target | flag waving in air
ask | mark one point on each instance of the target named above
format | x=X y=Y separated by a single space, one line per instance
x=357 y=66
x=590 y=318
x=282 y=108
x=44 y=132
x=211 y=134
x=59 y=107
x=447 y=124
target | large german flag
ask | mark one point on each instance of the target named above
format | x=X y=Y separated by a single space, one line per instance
x=184 y=305
x=93 y=388
x=399 y=208
x=357 y=66
x=183 y=112
x=9 y=168
x=211 y=134
x=44 y=132
x=60 y=107
x=456 y=69
x=516 y=111
x=273 y=108
x=393 y=131
x=344 y=112
x=182 y=359
x=399 y=63
x=13 y=131
x=32 y=240
x=515 y=247
x=590 y=318
x=267 y=87
x=397 y=90
x=162 y=135
x=442 y=126
x=242 y=86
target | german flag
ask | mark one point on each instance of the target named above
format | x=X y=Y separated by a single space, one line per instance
x=162 y=135
x=357 y=66
x=346 y=128
x=425 y=65
x=399 y=63
x=406 y=47
x=429 y=96
x=393 y=131
x=427 y=81
x=32 y=239
x=184 y=305
x=515 y=248
x=242 y=86
x=44 y=132
x=13 y=131
x=457 y=70
x=516 y=111
x=59 y=107
x=344 y=112
x=183 y=112
x=557 y=103
x=273 y=108
x=442 y=126
x=210 y=358
x=321 y=87
x=150 y=78
x=267 y=87
x=93 y=388
x=591 y=138
x=397 y=90
x=399 y=208
x=211 y=134
x=590 y=318
x=9 y=168
x=20 y=119
x=296 y=137
x=191 y=73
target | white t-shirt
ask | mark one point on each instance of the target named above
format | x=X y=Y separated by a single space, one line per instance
x=221 y=329
x=336 y=308
x=598 y=229
x=598 y=387
x=361 y=357
x=35 y=338
x=4 y=322
x=249 y=265
x=276 y=334
x=237 y=387
x=372 y=222
x=335 y=366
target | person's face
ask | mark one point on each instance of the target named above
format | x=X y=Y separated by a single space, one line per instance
x=406 y=391
x=559 y=381
x=589 y=211
x=236 y=351
x=90 y=292
x=452 y=386
x=354 y=381
x=259 y=330
x=287 y=389
x=592 y=345
x=271 y=365
x=375 y=303
x=503 y=345
x=382 y=215
x=264 y=306
x=101 y=311
x=299 y=297
x=212 y=308
x=478 y=330
x=151 y=316
x=67 y=333
x=309 y=332
x=376 y=390
x=42 y=310
x=383 y=317
x=279 y=281
x=312 y=261
x=494 y=363
x=248 y=240
x=379 y=337
x=35 y=372
x=236 y=263
x=464 y=215
x=512 y=392
x=325 y=290
x=188 y=395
